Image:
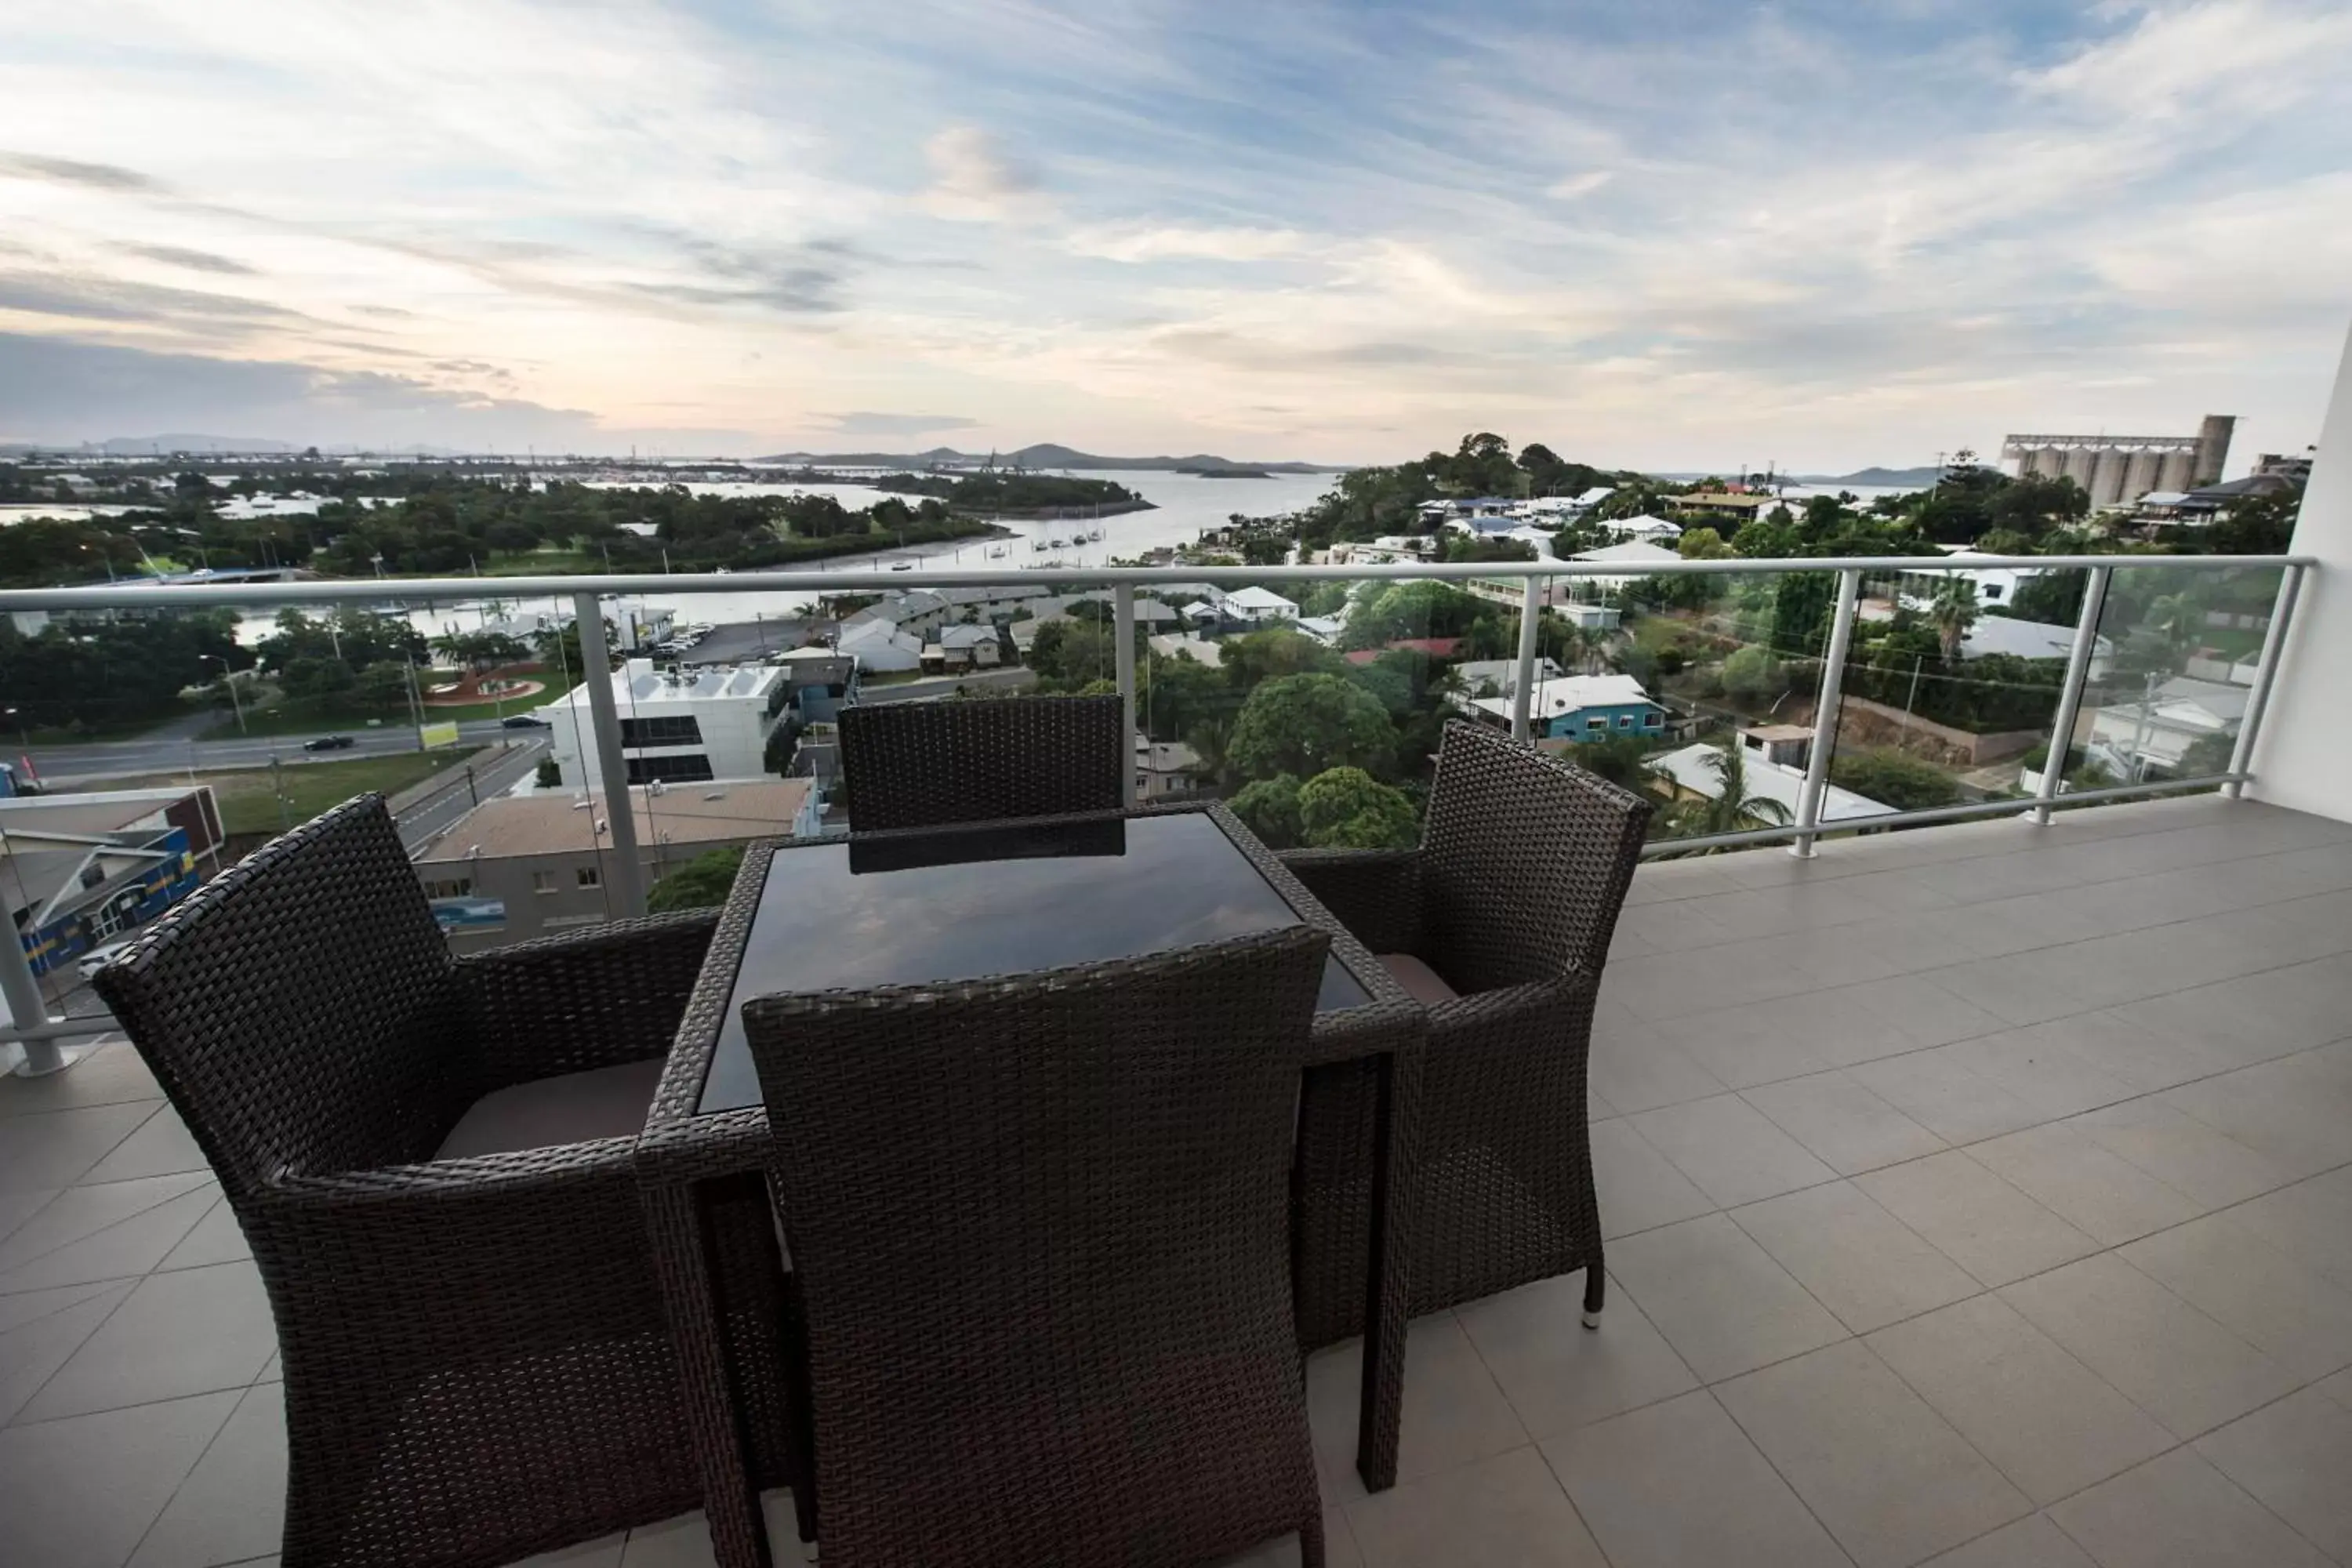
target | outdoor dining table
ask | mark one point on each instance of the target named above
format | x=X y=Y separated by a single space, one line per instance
x=919 y=906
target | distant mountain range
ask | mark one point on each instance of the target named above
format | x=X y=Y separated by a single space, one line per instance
x=1045 y=455
x=1914 y=479
x=214 y=446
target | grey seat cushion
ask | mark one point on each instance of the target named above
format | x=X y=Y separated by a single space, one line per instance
x=1422 y=983
x=605 y=1102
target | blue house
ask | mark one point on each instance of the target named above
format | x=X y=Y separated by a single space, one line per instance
x=1580 y=707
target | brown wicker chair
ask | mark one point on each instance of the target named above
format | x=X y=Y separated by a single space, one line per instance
x=920 y=764
x=1039 y=1226
x=1500 y=922
x=478 y=1364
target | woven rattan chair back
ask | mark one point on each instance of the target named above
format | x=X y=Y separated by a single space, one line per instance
x=1040 y=1228
x=918 y=764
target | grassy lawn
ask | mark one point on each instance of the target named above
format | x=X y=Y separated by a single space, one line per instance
x=275 y=720
x=546 y=564
x=310 y=788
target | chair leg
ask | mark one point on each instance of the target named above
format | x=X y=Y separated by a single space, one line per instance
x=1310 y=1542
x=1596 y=1284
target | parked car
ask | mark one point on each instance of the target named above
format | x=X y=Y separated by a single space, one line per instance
x=99 y=957
x=524 y=722
x=327 y=743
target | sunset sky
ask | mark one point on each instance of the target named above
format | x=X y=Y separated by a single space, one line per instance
x=1679 y=235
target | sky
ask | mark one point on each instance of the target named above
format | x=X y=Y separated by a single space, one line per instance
x=1677 y=235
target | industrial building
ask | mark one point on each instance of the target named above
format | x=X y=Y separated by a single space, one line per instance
x=2115 y=471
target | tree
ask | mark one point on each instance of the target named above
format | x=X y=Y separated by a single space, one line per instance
x=1211 y=738
x=1347 y=808
x=550 y=774
x=1732 y=809
x=1702 y=544
x=1269 y=808
x=1620 y=759
x=703 y=881
x=1751 y=671
x=316 y=680
x=1953 y=612
x=1302 y=724
x=1895 y=778
x=381 y=684
x=2258 y=525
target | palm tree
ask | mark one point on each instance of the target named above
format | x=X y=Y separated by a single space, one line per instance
x=1952 y=613
x=2176 y=617
x=1732 y=809
x=1210 y=739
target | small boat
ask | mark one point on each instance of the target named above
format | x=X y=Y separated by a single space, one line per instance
x=1096 y=536
x=997 y=553
x=1056 y=543
x=1038 y=545
x=902 y=566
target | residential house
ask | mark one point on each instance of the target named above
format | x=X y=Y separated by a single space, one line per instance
x=1579 y=708
x=1689 y=773
x=78 y=870
x=1325 y=629
x=1241 y=607
x=964 y=647
x=1386 y=551
x=1164 y=768
x=1645 y=529
x=1435 y=647
x=680 y=726
x=1201 y=650
x=819 y=683
x=1995 y=585
x=2157 y=732
x=1726 y=509
x=1635 y=553
x=1496 y=677
x=878 y=646
x=523 y=866
x=1989 y=635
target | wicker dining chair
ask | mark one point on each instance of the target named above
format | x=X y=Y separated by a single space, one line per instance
x=1500 y=922
x=920 y=764
x=1039 y=1227
x=432 y=1160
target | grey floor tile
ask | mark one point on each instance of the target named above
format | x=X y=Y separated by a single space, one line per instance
x=2295 y=1458
x=1638 y=1070
x=2272 y=1299
x=1719 y=1299
x=2338 y=1388
x=56 y=1148
x=2253 y=1018
x=41 y=1330
x=232 y=1507
x=603 y=1552
x=2031 y=1542
x=1454 y=1413
x=187 y=1332
x=216 y=1239
x=1507 y=1511
x=685 y=1541
x=2166 y=1356
x=1944 y=1097
x=1917 y=1008
x=1855 y=1258
x=110 y=1232
x=1340 y=1548
x=2310 y=1221
x=1678 y=1485
x=1845 y=1126
x=2182 y=1152
x=1559 y=1375
x=2079 y=1179
x=17 y=1207
x=2287 y=1109
x=80 y=1493
x=1639 y=1188
x=2178 y=1512
x=2038 y=1071
x=160 y=1147
x=110 y=1074
x=1731 y=1149
x=1888 y=1475
x=2046 y=1421
x=2143 y=1059
x=1974 y=1218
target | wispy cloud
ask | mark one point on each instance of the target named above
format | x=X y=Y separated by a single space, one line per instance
x=192 y=260
x=974 y=179
x=866 y=423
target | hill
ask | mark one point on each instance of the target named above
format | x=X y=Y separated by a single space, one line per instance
x=1913 y=478
x=1043 y=455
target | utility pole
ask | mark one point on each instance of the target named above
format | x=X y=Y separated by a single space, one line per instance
x=229 y=679
x=278 y=792
x=415 y=699
x=1915 y=659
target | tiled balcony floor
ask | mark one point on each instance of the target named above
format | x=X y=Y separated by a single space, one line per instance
x=1983 y=1191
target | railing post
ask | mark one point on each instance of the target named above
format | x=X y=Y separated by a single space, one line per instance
x=2241 y=755
x=1825 y=715
x=1123 y=630
x=29 y=1010
x=2070 y=696
x=628 y=871
x=1523 y=678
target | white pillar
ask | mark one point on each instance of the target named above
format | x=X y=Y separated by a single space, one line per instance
x=2303 y=755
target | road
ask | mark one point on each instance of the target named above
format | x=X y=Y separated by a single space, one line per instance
x=494 y=772
x=170 y=750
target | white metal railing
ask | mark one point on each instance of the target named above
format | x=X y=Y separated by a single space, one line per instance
x=40 y=1038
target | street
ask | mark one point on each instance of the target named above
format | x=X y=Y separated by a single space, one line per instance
x=171 y=749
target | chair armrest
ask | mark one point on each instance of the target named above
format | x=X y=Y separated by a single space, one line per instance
x=611 y=995
x=1375 y=893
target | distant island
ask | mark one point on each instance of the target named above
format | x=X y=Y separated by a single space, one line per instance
x=1048 y=454
x=1906 y=478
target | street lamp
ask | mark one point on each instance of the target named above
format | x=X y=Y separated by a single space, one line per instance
x=229 y=679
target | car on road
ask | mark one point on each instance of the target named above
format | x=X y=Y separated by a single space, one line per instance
x=328 y=743
x=524 y=722
x=99 y=957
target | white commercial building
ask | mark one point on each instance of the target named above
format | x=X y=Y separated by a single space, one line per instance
x=675 y=726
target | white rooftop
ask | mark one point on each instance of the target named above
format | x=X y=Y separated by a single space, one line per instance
x=1690 y=770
